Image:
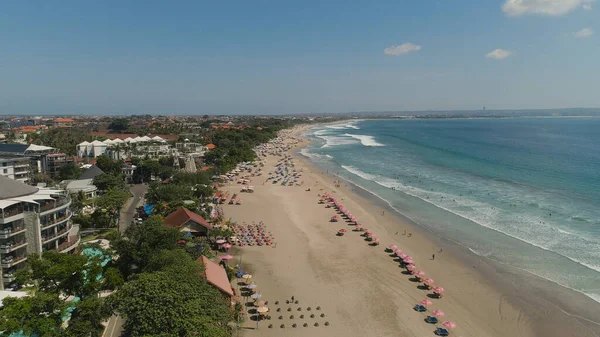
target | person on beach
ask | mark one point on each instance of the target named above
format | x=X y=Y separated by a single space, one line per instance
x=433 y=256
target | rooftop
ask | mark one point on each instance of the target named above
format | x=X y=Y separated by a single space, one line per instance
x=180 y=216
x=216 y=275
x=10 y=188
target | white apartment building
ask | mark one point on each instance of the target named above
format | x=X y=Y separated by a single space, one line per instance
x=16 y=168
x=32 y=220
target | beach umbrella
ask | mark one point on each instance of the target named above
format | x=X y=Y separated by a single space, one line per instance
x=428 y=281
x=403 y=256
x=368 y=231
x=449 y=325
x=251 y=286
x=393 y=247
x=426 y=302
x=438 y=289
x=262 y=310
x=419 y=273
x=256 y=296
x=226 y=246
x=260 y=303
x=375 y=240
x=226 y=257
x=411 y=267
x=247 y=276
x=220 y=241
x=438 y=313
x=343 y=230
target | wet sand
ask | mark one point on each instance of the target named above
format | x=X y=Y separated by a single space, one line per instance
x=362 y=290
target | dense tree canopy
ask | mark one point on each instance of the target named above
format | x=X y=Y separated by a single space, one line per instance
x=58 y=280
x=69 y=172
x=119 y=124
x=108 y=165
x=108 y=181
x=64 y=140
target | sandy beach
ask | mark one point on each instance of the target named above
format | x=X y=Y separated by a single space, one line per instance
x=360 y=289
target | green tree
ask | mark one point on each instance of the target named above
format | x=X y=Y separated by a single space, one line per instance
x=69 y=172
x=37 y=315
x=108 y=165
x=112 y=199
x=113 y=278
x=141 y=242
x=108 y=181
x=119 y=124
x=173 y=304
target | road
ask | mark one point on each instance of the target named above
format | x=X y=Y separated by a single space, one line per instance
x=115 y=323
x=128 y=210
x=114 y=327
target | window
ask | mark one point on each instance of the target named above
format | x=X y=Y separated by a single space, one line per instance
x=5 y=171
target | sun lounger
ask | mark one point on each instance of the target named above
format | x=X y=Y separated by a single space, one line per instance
x=420 y=308
x=442 y=332
x=431 y=319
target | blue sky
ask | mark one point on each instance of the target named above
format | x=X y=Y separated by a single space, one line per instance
x=264 y=57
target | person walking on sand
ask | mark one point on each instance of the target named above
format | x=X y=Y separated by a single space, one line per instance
x=433 y=257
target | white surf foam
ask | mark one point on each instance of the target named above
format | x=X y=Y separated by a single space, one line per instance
x=365 y=140
x=332 y=141
x=314 y=156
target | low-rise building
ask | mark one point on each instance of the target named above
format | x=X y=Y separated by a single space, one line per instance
x=56 y=161
x=16 y=168
x=32 y=220
x=187 y=221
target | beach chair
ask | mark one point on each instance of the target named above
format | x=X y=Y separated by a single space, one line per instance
x=442 y=332
x=420 y=308
x=431 y=320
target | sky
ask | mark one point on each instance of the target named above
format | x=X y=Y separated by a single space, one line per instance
x=285 y=57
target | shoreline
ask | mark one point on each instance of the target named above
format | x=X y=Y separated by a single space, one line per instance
x=565 y=312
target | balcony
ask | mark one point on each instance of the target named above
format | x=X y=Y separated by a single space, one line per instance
x=21 y=169
x=46 y=239
x=9 y=213
x=9 y=261
x=7 y=278
x=8 y=232
x=11 y=247
x=57 y=221
x=69 y=245
x=55 y=205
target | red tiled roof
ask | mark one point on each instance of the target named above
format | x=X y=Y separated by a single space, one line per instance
x=216 y=275
x=180 y=216
x=210 y=146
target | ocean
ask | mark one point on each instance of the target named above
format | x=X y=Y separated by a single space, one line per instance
x=524 y=192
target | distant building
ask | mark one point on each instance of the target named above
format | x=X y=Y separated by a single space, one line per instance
x=32 y=220
x=187 y=221
x=56 y=161
x=38 y=154
x=16 y=168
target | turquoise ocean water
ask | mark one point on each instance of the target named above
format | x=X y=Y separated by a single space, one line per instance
x=522 y=192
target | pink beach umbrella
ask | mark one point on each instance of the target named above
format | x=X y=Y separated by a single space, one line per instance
x=359 y=226
x=226 y=257
x=368 y=231
x=438 y=313
x=419 y=273
x=438 y=289
x=375 y=240
x=428 y=281
x=343 y=230
x=393 y=247
x=426 y=302
x=411 y=267
x=220 y=241
x=449 y=325
x=226 y=246
x=397 y=252
x=402 y=256
x=408 y=260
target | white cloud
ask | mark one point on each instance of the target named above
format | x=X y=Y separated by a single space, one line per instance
x=544 y=7
x=498 y=54
x=586 y=32
x=401 y=49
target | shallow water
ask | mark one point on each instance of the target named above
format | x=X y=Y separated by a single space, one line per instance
x=524 y=192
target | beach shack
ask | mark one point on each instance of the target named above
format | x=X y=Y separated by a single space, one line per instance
x=187 y=222
x=216 y=276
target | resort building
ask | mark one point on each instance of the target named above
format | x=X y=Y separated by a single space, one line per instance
x=37 y=154
x=32 y=220
x=117 y=148
x=16 y=168
x=56 y=161
x=187 y=221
